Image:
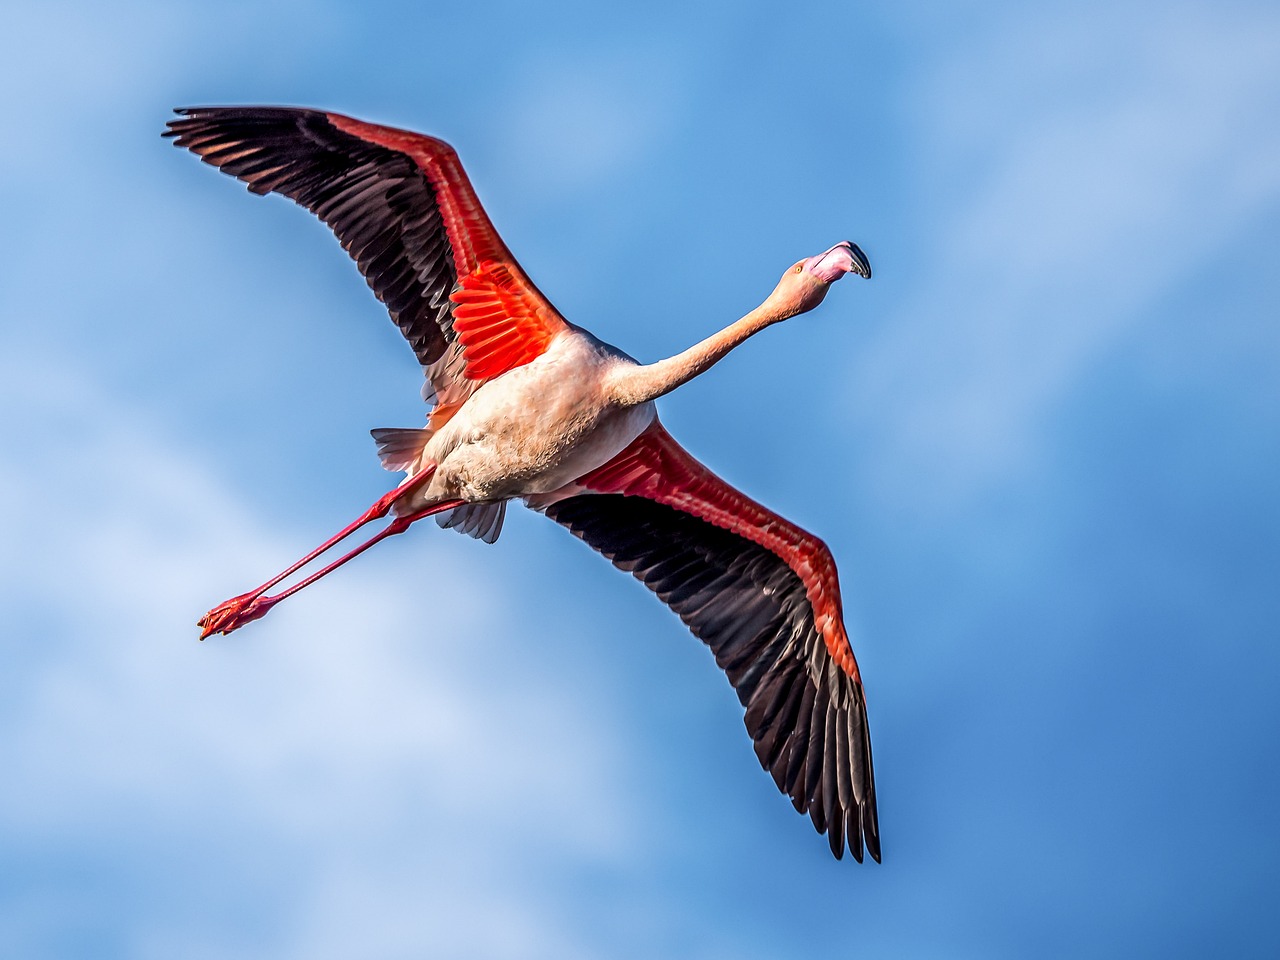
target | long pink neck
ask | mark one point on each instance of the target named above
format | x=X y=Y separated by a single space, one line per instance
x=634 y=385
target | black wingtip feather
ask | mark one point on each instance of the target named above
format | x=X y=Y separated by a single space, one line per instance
x=805 y=716
x=363 y=191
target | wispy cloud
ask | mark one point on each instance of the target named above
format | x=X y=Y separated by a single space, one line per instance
x=1076 y=213
x=361 y=710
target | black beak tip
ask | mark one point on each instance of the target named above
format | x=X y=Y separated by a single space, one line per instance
x=861 y=265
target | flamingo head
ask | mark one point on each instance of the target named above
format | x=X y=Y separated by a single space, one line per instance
x=806 y=282
x=830 y=265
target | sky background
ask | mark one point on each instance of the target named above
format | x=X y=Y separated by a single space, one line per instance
x=1043 y=444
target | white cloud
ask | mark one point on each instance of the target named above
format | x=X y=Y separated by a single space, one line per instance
x=1078 y=211
x=355 y=721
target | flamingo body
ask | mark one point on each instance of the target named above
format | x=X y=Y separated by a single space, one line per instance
x=533 y=429
x=526 y=405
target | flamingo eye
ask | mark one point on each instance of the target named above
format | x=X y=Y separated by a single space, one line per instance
x=799 y=267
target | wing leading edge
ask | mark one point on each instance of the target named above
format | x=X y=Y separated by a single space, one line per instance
x=404 y=209
x=763 y=595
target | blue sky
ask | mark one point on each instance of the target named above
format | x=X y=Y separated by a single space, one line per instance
x=1043 y=444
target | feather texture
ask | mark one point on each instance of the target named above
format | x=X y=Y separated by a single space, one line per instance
x=743 y=592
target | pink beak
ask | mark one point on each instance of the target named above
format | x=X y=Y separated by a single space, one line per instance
x=844 y=257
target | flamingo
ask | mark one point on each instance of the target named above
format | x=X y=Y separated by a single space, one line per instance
x=526 y=405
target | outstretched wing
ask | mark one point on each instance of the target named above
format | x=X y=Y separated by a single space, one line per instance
x=763 y=595
x=403 y=208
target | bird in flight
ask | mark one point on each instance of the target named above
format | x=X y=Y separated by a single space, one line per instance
x=526 y=405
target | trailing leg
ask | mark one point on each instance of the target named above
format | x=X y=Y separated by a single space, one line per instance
x=235 y=612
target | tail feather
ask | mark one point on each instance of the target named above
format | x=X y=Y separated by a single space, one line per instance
x=399 y=448
x=480 y=520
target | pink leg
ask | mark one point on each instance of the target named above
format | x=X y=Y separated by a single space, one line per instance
x=231 y=614
x=224 y=618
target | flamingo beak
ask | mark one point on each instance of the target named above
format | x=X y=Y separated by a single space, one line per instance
x=844 y=257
